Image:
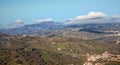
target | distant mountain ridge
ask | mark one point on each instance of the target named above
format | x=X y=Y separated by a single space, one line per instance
x=32 y=28
x=48 y=29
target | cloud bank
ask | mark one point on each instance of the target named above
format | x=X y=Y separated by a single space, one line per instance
x=93 y=17
x=43 y=20
x=19 y=22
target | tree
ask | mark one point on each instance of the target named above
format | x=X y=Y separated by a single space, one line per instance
x=19 y=61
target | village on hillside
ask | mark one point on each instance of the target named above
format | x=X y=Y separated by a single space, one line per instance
x=101 y=59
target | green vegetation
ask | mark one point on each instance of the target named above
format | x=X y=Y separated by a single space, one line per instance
x=19 y=61
x=112 y=63
x=51 y=51
x=4 y=56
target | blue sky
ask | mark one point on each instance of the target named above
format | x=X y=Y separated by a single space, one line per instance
x=28 y=11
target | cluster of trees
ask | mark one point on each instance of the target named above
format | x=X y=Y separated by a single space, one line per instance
x=32 y=56
x=4 y=56
x=113 y=63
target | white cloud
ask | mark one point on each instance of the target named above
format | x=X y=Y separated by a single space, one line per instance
x=94 y=17
x=116 y=17
x=44 y=20
x=17 y=23
x=91 y=15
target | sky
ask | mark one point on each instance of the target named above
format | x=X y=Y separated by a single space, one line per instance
x=18 y=12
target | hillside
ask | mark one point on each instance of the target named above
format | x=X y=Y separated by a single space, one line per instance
x=27 y=50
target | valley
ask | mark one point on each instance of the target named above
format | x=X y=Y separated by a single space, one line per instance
x=66 y=45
